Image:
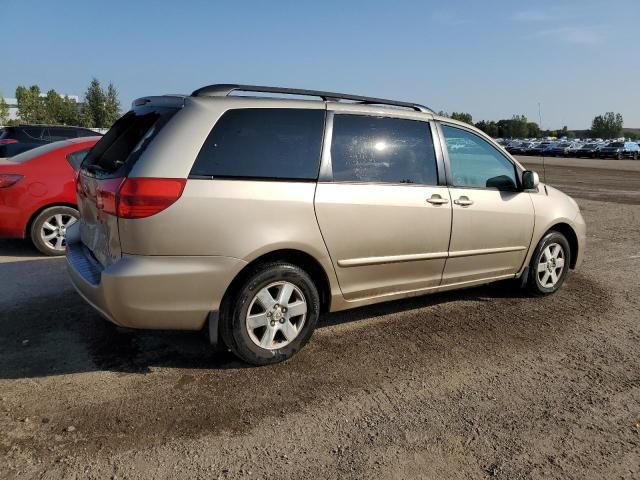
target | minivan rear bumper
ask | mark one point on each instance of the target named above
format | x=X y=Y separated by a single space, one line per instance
x=151 y=292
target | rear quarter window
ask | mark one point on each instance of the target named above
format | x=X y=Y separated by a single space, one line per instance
x=76 y=158
x=272 y=143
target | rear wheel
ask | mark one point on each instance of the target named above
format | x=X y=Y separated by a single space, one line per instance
x=549 y=264
x=272 y=315
x=635 y=155
x=49 y=229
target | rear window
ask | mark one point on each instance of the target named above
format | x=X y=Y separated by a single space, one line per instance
x=126 y=140
x=36 y=152
x=263 y=143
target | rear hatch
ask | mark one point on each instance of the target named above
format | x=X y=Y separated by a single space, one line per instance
x=105 y=170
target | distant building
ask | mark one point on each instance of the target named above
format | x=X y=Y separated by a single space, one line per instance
x=13 y=104
x=13 y=107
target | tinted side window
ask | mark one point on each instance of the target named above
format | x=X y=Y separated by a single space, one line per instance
x=388 y=150
x=31 y=133
x=76 y=158
x=476 y=163
x=263 y=143
x=87 y=133
x=60 y=133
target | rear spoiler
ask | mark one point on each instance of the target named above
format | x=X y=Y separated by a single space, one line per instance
x=176 y=101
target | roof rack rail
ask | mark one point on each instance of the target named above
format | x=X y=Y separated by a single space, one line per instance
x=226 y=89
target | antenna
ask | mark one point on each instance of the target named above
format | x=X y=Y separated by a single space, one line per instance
x=544 y=171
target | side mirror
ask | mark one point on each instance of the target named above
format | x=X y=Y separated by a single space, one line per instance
x=530 y=180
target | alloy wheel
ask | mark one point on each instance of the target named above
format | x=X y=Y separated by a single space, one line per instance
x=551 y=265
x=54 y=231
x=276 y=315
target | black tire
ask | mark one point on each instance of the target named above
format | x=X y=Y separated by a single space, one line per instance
x=233 y=314
x=620 y=156
x=635 y=155
x=39 y=222
x=534 y=282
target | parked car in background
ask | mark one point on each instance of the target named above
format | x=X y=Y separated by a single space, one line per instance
x=18 y=139
x=521 y=149
x=620 y=150
x=565 y=149
x=558 y=149
x=589 y=150
x=38 y=195
x=270 y=211
x=538 y=149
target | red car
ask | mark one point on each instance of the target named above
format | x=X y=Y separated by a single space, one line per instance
x=38 y=195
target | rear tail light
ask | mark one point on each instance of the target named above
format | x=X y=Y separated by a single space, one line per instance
x=6 y=141
x=8 y=179
x=136 y=197
x=143 y=197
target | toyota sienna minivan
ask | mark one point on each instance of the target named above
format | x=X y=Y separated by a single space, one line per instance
x=248 y=216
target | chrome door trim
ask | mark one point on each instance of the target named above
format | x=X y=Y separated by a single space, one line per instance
x=363 y=261
x=485 y=251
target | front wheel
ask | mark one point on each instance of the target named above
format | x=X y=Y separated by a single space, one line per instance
x=549 y=264
x=49 y=229
x=272 y=315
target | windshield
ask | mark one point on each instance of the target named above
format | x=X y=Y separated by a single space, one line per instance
x=616 y=144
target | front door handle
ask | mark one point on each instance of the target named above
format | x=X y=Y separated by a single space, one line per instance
x=437 y=200
x=463 y=201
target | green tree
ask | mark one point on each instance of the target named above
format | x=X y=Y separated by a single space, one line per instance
x=608 y=125
x=53 y=107
x=31 y=107
x=533 y=130
x=94 y=112
x=69 y=113
x=60 y=110
x=519 y=126
x=4 y=111
x=101 y=108
x=490 y=128
x=462 y=117
x=112 y=105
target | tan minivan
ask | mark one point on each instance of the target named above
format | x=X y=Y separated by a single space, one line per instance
x=251 y=215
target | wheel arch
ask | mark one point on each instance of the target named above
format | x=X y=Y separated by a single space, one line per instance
x=571 y=236
x=296 y=257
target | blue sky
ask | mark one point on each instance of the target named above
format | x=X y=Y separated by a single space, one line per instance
x=490 y=58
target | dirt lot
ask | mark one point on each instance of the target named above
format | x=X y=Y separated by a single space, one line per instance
x=474 y=384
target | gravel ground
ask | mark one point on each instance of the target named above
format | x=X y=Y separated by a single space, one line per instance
x=482 y=383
